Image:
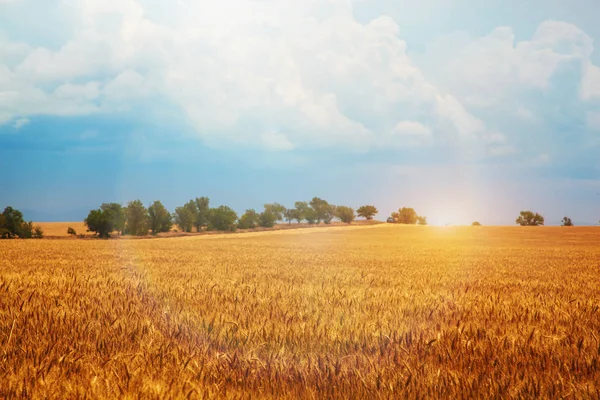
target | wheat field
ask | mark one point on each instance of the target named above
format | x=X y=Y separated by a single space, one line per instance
x=363 y=312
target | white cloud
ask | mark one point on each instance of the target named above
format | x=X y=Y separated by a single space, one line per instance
x=237 y=68
x=493 y=69
x=276 y=141
x=21 y=122
x=590 y=84
x=411 y=133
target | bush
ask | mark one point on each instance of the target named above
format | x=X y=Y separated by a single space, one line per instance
x=38 y=232
x=71 y=231
x=475 y=224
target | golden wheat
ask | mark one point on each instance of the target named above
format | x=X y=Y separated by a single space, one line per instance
x=366 y=312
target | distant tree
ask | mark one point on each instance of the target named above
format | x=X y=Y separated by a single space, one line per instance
x=26 y=230
x=12 y=223
x=71 y=231
x=184 y=218
x=289 y=215
x=475 y=224
x=249 y=219
x=302 y=209
x=3 y=230
x=422 y=220
x=272 y=213
x=395 y=217
x=529 y=218
x=345 y=214
x=137 y=218
x=160 y=220
x=201 y=212
x=407 y=215
x=310 y=216
x=116 y=213
x=323 y=210
x=222 y=218
x=38 y=232
x=100 y=222
x=566 y=221
x=367 y=212
x=267 y=219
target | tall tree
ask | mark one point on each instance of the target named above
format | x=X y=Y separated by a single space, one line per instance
x=323 y=210
x=13 y=222
x=137 y=218
x=222 y=218
x=184 y=218
x=289 y=215
x=159 y=218
x=407 y=215
x=101 y=222
x=367 y=212
x=302 y=209
x=201 y=212
x=116 y=213
x=529 y=218
x=345 y=214
x=249 y=220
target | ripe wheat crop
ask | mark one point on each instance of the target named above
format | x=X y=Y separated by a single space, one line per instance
x=367 y=312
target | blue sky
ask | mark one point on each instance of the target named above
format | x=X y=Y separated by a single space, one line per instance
x=462 y=109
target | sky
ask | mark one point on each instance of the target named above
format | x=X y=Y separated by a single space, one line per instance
x=462 y=109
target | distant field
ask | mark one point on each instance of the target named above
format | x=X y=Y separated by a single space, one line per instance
x=60 y=228
x=361 y=312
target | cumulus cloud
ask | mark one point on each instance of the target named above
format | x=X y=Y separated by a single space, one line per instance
x=485 y=71
x=237 y=68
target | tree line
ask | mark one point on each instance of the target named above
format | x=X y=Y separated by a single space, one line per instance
x=197 y=214
x=13 y=225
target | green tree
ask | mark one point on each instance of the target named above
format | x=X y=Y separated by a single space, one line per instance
x=116 y=213
x=201 y=212
x=100 y=222
x=422 y=220
x=3 y=230
x=289 y=215
x=302 y=209
x=160 y=219
x=345 y=214
x=323 y=210
x=272 y=213
x=529 y=218
x=26 y=230
x=137 y=218
x=13 y=223
x=222 y=218
x=249 y=220
x=407 y=215
x=566 y=221
x=310 y=216
x=184 y=218
x=367 y=212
